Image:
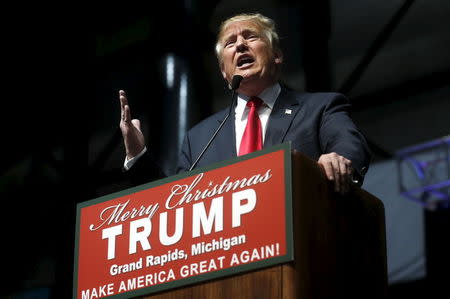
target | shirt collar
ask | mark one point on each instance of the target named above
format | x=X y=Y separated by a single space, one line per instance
x=268 y=95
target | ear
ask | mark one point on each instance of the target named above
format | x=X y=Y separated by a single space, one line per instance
x=222 y=70
x=224 y=75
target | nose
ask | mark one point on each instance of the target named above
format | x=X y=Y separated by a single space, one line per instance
x=241 y=43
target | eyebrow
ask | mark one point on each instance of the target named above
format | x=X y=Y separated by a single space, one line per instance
x=245 y=31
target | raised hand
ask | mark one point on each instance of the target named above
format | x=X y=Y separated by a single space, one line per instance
x=131 y=129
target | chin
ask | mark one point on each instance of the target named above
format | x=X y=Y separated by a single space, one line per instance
x=250 y=74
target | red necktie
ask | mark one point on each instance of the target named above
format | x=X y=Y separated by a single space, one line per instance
x=252 y=139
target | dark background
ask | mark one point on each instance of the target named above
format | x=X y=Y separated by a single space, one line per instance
x=63 y=66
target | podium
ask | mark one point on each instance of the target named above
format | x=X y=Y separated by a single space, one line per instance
x=339 y=248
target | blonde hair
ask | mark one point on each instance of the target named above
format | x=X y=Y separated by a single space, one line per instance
x=265 y=24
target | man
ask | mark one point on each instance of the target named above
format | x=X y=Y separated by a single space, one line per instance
x=317 y=124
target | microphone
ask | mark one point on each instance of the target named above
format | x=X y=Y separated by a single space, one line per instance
x=235 y=82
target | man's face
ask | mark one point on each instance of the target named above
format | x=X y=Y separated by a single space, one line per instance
x=247 y=53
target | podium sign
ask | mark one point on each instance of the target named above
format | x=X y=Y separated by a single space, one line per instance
x=228 y=218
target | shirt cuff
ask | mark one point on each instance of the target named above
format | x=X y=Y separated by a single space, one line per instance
x=130 y=162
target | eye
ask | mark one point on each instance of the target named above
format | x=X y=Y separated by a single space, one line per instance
x=251 y=35
x=229 y=43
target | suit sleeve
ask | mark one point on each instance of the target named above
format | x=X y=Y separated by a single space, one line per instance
x=145 y=170
x=339 y=134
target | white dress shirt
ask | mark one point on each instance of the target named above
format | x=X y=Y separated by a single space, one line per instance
x=130 y=162
x=268 y=96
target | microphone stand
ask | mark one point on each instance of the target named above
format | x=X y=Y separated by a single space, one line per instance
x=235 y=82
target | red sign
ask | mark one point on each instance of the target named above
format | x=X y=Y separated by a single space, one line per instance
x=185 y=229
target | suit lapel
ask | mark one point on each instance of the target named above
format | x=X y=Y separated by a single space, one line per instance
x=228 y=133
x=283 y=113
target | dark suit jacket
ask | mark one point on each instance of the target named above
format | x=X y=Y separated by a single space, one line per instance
x=315 y=123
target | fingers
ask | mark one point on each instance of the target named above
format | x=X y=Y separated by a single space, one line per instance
x=123 y=99
x=131 y=129
x=347 y=174
x=124 y=108
x=126 y=115
x=338 y=169
x=327 y=164
x=137 y=124
x=328 y=167
x=337 y=174
x=343 y=176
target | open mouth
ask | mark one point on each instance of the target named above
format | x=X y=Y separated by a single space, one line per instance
x=245 y=61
